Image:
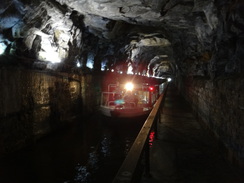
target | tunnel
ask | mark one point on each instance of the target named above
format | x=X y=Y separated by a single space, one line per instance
x=56 y=54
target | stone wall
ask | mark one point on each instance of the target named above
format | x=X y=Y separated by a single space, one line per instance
x=91 y=93
x=219 y=105
x=34 y=104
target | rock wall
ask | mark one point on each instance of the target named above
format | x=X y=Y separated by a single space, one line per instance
x=34 y=104
x=91 y=93
x=219 y=104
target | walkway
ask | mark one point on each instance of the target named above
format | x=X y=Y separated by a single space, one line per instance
x=184 y=151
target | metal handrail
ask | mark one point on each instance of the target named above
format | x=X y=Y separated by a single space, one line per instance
x=132 y=165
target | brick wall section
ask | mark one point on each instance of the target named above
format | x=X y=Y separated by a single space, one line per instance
x=219 y=105
x=35 y=103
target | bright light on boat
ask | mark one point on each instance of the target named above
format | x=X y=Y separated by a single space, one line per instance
x=129 y=86
x=151 y=88
x=169 y=79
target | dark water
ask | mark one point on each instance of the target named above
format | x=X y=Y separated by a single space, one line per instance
x=90 y=150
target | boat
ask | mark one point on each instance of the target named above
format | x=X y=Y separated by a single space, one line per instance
x=126 y=100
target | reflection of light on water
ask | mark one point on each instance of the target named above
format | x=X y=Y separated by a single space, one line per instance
x=101 y=163
x=105 y=148
x=151 y=138
x=93 y=160
x=82 y=174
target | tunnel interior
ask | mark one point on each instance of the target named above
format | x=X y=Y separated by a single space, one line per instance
x=54 y=54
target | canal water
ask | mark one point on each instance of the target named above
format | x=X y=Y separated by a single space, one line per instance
x=90 y=150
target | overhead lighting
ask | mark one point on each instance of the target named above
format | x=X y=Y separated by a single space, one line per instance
x=78 y=64
x=90 y=61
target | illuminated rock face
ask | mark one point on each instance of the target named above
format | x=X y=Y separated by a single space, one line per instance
x=45 y=32
x=192 y=33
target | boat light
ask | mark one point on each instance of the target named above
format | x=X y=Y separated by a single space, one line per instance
x=129 y=86
x=151 y=88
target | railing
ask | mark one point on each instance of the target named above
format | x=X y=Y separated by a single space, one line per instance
x=133 y=165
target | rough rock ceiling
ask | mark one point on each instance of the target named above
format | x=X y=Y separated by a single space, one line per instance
x=149 y=37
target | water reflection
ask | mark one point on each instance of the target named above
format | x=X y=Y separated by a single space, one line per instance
x=89 y=151
x=105 y=146
x=151 y=138
x=82 y=174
